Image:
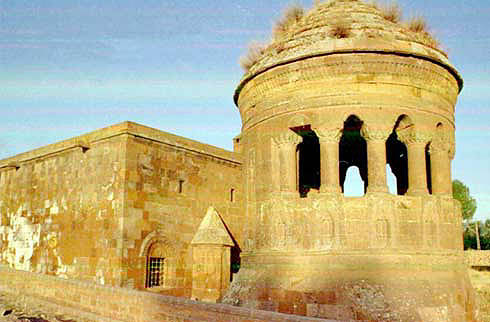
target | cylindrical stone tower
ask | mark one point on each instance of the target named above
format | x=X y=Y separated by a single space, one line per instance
x=346 y=87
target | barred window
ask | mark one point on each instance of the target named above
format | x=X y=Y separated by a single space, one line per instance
x=154 y=271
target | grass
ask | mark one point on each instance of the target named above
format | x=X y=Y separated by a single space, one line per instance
x=417 y=24
x=255 y=51
x=339 y=31
x=391 y=12
x=291 y=15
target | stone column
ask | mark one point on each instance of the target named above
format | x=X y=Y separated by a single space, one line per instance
x=376 y=157
x=417 y=175
x=287 y=143
x=440 y=168
x=329 y=159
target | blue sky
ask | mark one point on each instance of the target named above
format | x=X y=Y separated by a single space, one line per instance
x=69 y=67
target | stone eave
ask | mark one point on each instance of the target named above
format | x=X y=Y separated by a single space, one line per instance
x=85 y=141
x=436 y=59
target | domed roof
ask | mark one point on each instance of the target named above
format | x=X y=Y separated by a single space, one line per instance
x=345 y=26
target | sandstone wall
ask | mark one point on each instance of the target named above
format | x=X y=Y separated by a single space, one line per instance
x=169 y=186
x=91 y=302
x=92 y=207
x=61 y=206
x=477 y=257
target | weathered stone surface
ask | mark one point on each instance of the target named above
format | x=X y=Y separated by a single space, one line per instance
x=98 y=214
x=126 y=205
x=367 y=101
x=212 y=231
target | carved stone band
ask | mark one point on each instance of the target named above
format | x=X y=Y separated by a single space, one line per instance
x=328 y=135
x=375 y=134
x=288 y=138
x=410 y=136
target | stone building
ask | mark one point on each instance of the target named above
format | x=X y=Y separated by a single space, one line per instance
x=135 y=207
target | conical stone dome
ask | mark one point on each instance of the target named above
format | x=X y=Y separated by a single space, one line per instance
x=315 y=34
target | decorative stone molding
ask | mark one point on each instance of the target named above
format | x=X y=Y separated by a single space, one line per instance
x=287 y=138
x=439 y=146
x=151 y=239
x=11 y=165
x=328 y=135
x=83 y=145
x=424 y=73
x=411 y=136
x=375 y=133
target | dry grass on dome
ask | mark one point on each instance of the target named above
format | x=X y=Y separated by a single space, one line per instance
x=291 y=15
x=391 y=11
x=415 y=28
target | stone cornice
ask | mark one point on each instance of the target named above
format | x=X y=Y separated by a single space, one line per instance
x=409 y=52
x=88 y=140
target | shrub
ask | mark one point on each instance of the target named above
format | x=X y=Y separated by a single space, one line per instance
x=254 y=52
x=391 y=12
x=339 y=31
x=417 y=24
x=291 y=15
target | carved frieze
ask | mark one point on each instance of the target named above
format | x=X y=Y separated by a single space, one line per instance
x=287 y=138
x=328 y=135
x=412 y=136
x=372 y=133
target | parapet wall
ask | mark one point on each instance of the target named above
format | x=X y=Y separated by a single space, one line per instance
x=477 y=257
x=91 y=302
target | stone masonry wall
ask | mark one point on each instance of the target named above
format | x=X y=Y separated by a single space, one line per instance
x=60 y=208
x=169 y=187
x=477 y=257
x=93 y=207
x=91 y=302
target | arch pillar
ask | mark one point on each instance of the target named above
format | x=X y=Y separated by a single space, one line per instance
x=440 y=164
x=329 y=159
x=286 y=143
x=376 y=157
x=416 y=143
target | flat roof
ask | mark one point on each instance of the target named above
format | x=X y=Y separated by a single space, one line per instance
x=128 y=127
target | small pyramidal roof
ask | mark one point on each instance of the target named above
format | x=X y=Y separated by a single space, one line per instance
x=212 y=230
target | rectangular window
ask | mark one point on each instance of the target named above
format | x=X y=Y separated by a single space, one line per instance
x=181 y=186
x=154 y=271
x=232 y=195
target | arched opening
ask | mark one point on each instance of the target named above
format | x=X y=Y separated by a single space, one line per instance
x=156 y=265
x=159 y=262
x=427 y=168
x=391 y=180
x=353 y=184
x=353 y=152
x=397 y=156
x=235 y=261
x=308 y=160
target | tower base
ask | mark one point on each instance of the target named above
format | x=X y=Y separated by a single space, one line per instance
x=408 y=287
